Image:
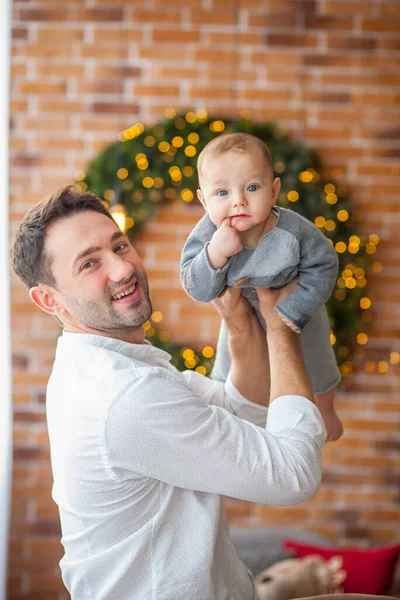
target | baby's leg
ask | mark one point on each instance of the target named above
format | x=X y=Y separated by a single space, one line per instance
x=322 y=368
x=222 y=362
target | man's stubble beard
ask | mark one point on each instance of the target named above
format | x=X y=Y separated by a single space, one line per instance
x=102 y=316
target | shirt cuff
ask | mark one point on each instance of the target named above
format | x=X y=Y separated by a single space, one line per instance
x=243 y=408
x=296 y=412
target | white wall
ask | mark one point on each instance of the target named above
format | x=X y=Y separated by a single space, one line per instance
x=5 y=352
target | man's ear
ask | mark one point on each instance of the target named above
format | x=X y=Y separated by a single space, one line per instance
x=43 y=296
x=276 y=188
x=202 y=199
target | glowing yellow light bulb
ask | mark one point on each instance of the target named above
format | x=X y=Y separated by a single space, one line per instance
x=122 y=173
x=331 y=198
x=80 y=175
x=208 y=352
x=320 y=221
x=193 y=138
x=395 y=358
x=202 y=370
x=343 y=215
x=362 y=339
x=187 y=195
x=157 y=316
x=340 y=247
x=383 y=366
x=365 y=303
x=293 y=196
x=118 y=213
x=191 y=117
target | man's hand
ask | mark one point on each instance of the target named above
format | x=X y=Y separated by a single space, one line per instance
x=269 y=298
x=233 y=307
x=224 y=243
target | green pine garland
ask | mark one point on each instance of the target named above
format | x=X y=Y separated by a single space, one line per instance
x=151 y=165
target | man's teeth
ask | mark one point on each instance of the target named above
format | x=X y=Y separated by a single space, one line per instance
x=118 y=296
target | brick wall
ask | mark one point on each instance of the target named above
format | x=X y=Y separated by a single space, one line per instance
x=328 y=72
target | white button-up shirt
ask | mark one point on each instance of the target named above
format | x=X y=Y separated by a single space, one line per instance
x=141 y=455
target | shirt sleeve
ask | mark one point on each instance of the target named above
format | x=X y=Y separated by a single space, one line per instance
x=318 y=269
x=225 y=395
x=159 y=428
x=198 y=277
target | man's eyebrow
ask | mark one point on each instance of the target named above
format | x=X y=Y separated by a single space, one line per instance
x=115 y=236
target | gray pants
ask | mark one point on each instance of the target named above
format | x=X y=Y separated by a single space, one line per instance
x=317 y=352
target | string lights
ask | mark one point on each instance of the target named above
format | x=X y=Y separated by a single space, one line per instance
x=158 y=164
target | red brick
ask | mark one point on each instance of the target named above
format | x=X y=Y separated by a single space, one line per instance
x=58 y=69
x=44 y=14
x=216 y=56
x=175 y=36
x=242 y=39
x=212 y=92
x=155 y=90
x=103 y=34
x=98 y=14
x=100 y=87
x=328 y=22
x=351 y=43
x=271 y=20
x=109 y=52
x=59 y=34
x=273 y=58
x=155 y=16
x=19 y=33
x=213 y=17
x=288 y=40
x=46 y=106
x=391 y=25
x=42 y=88
x=353 y=8
x=46 y=50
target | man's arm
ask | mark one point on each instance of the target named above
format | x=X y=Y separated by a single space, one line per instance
x=247 y=345
x=288 y=371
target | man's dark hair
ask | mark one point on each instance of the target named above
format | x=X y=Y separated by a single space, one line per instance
x=27 y=252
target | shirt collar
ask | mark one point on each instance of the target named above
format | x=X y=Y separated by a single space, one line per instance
x=145 y=351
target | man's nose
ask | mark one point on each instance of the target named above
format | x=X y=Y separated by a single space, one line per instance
x=119 y=268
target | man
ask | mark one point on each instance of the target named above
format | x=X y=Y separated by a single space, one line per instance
x=141 y=454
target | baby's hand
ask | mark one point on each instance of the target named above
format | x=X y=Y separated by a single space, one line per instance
x=224 y=243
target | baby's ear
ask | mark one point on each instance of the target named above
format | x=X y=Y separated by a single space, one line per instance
x=276 y=187
x=202 y=199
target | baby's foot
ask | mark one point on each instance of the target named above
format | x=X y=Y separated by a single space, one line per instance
x=333 y=424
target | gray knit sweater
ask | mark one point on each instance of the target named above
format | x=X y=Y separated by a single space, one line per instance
x=295 y=246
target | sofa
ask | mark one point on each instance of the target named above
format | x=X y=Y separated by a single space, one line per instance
x=260 y=548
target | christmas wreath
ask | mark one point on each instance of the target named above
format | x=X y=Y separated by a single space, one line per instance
x=155 y=164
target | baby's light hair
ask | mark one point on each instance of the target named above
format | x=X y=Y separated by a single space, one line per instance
x=241 y=142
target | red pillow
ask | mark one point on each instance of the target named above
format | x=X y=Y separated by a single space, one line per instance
x=369 y=571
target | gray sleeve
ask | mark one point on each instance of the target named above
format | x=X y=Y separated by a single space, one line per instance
x=318 y=269
x=198 y=278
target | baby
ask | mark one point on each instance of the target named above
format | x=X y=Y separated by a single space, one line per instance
x=245 y=241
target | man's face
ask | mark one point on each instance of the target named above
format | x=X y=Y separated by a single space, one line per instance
x=101 y=283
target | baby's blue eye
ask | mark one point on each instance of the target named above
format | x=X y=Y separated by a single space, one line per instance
x=222 y=193
x=252 y=188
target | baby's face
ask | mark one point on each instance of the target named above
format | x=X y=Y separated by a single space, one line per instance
x=239 y=185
